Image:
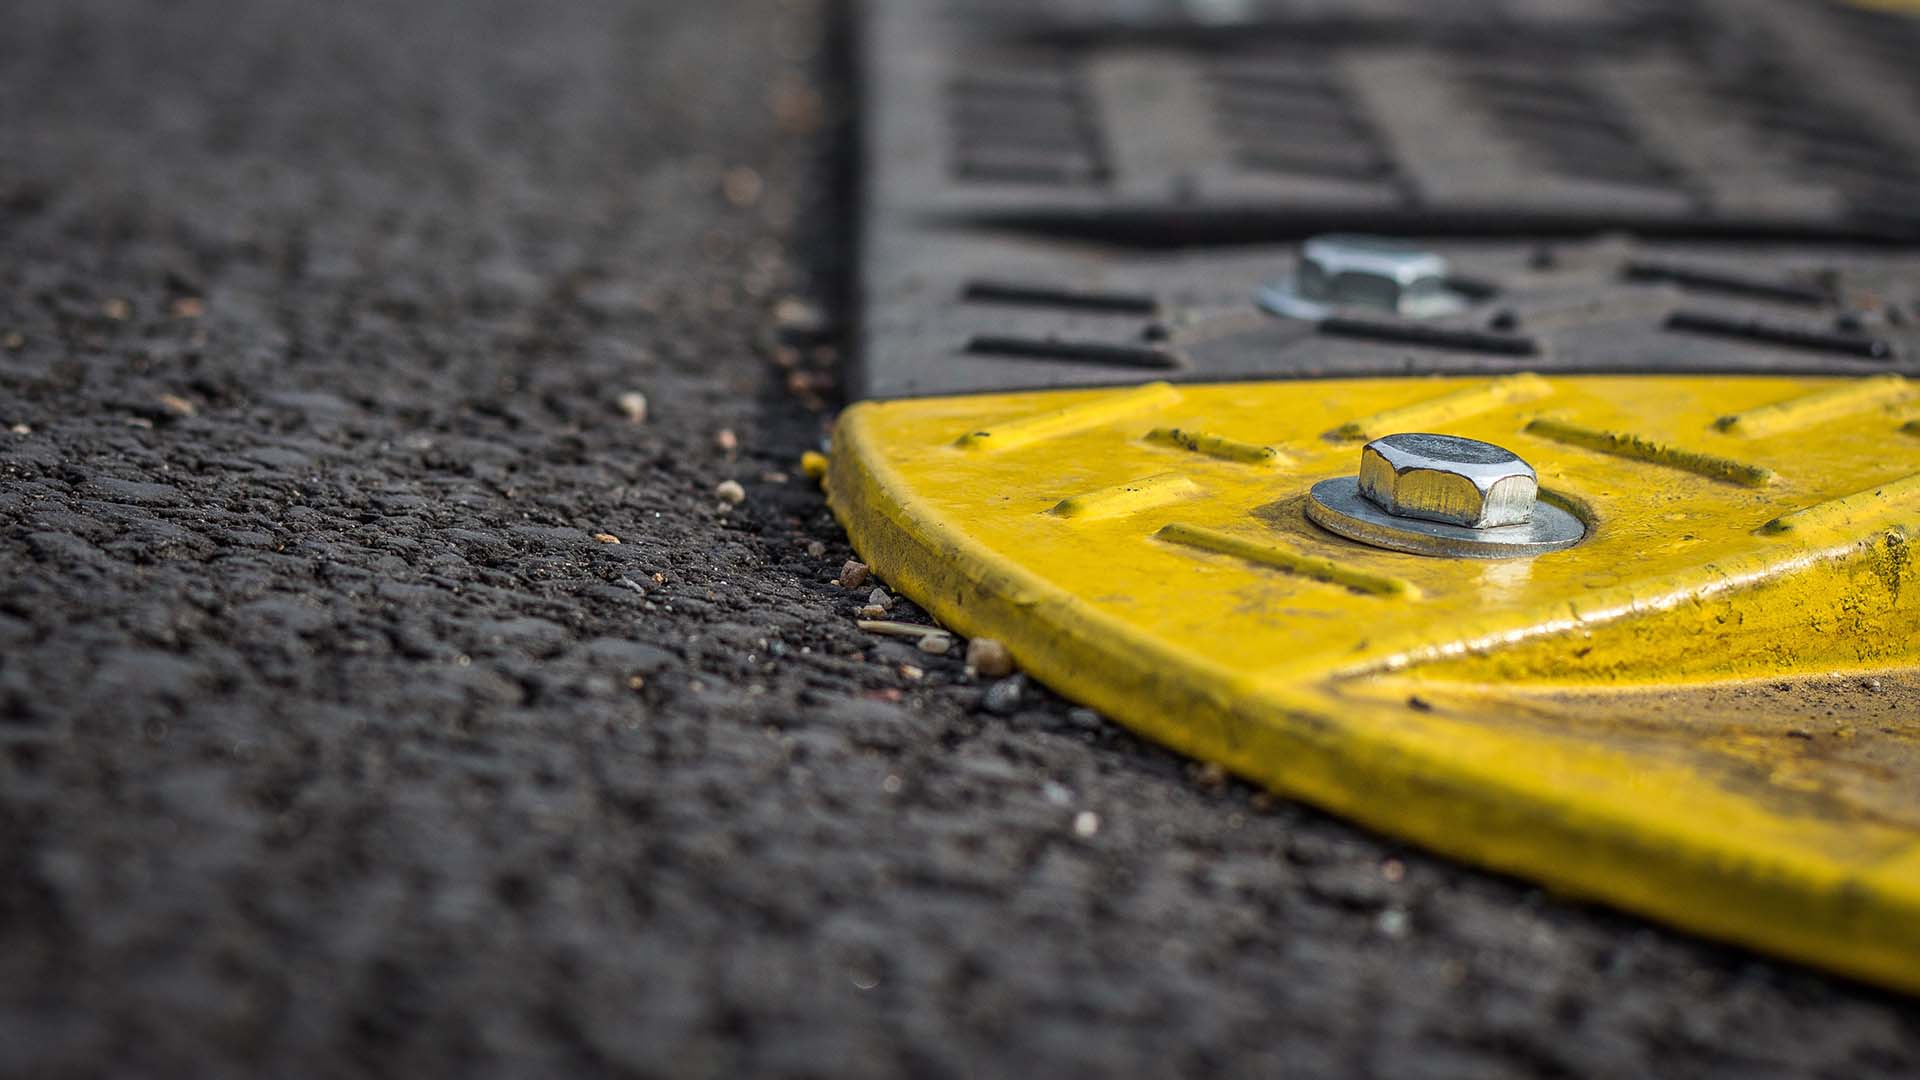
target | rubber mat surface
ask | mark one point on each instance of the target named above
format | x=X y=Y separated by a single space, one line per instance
x=1057 y=197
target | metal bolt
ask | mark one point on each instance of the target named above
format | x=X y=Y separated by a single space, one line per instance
x=1446 y=496
x=1448 y=479
x=1370 y=271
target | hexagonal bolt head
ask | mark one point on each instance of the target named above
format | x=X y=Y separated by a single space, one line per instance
x=1369 y=271
x=1448 y=479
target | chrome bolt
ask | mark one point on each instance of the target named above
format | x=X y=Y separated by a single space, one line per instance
x=1370 y=271
x=1448 y=479
x=1445 y=496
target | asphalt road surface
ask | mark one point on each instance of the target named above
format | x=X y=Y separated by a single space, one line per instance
x=332 y=740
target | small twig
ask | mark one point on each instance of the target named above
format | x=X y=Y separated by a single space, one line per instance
x=899 y=629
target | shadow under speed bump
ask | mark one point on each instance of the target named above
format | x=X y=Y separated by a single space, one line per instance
x=1706 y=711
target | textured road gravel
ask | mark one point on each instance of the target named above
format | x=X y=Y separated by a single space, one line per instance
x=332 y=740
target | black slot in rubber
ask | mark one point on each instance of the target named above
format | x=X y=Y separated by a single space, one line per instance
x=1723 y=282
x=1084 y=352
x=1439 y=337
x=1006 y=292
x=1769 y=333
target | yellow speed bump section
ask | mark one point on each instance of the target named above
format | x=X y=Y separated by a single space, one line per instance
x=1707 y=711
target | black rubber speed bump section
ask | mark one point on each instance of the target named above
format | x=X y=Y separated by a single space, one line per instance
x=1064 y=192
x=987 y=311
x=1769 y=117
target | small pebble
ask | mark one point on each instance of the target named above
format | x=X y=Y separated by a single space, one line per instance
x=178 y=405
x=606 y=538
x=21 y=429
x=798 y=322
x=936 y=644
x=872 y=611
x=916 y=631
x=634 y=405
x=730 y=491
x=14 y=340
x=816 y=549
x=1086 y=823
x=1003 y=697
x=797 y=106
x=1393 y=923
x=189 y=307
x=116 y=309
x=989 y=658
x=726 y=440
x=879 y=598
x=908 y=671
x=855 y=574
x=742 y=186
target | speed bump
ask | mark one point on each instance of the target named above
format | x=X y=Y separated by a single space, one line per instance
x=1707 y=710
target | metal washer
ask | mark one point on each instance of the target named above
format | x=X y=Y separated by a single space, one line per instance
x=1337 y=506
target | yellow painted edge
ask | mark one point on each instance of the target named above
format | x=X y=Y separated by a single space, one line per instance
x=1602 y=606
x=1267 y=553
x=1625 y=444
x=1132 y=497
x=1445 y=408
x=1027 y=430
x=1219 y=446
x=1841 y=512
x=1818 y=407
x=1297 y=745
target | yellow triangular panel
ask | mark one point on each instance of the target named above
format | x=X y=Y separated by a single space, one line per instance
x=1703 y=712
